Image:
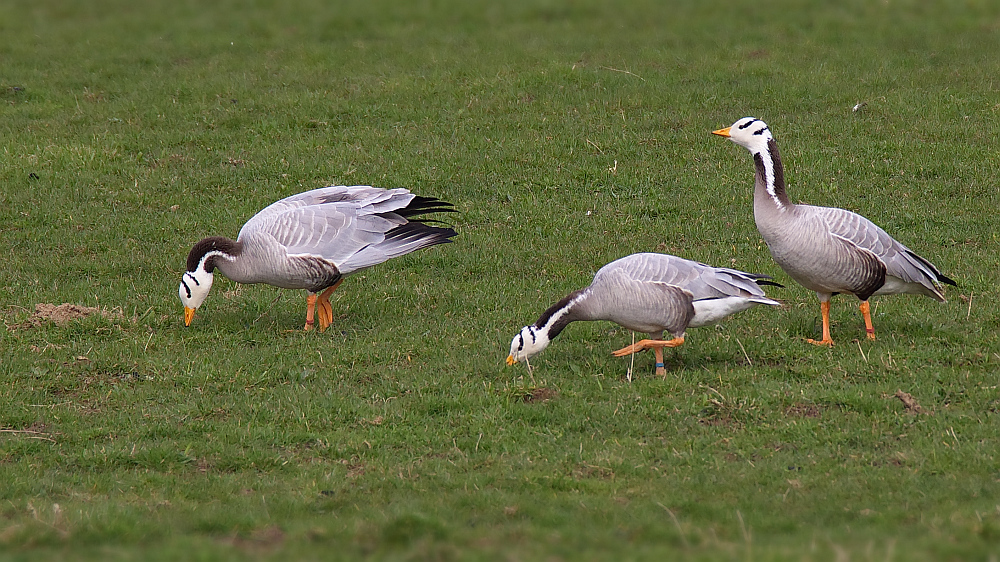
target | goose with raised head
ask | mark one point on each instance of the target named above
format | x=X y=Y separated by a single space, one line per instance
x=312 y=240
x=648 y=293
x=825 y=249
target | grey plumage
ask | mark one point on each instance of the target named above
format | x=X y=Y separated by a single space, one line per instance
x=648 y=293
x=825 y=249
x=653 y=293
x=832 y=250
x=312 y=240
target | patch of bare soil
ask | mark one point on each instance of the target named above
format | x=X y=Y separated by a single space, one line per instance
x=65 y=313
x=909 y=402
x=803 y=410
x=540 y=394
x=720 y=414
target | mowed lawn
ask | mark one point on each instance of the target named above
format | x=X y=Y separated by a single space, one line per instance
x=567 y=134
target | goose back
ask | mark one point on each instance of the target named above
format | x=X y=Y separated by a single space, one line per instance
x=333 y=223
x=310 y=240
x=650 y=292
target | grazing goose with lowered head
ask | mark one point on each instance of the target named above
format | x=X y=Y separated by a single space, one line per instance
x=312 y=240
x=649 y=293
x=825 y=249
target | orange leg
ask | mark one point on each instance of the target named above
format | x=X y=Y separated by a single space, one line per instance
x=325 y=309
x=657 y=347
x=310 y=309
x=824 y=308
x=866 y=312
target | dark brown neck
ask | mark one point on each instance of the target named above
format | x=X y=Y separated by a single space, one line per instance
x=559 y=315
x=216 y=244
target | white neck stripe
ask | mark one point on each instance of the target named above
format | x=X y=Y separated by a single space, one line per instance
x=213 y=253
x=562 y=312
x=765 y=157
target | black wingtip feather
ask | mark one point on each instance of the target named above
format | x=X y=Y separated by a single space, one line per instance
x=421 y=205
x=419 y=227
x=942 y=278
x=416 y=229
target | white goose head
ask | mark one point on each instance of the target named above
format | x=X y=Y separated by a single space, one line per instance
x=531 y=340
x=197 y=280
x=194 y=289
x=750 y=133
x=753 y=135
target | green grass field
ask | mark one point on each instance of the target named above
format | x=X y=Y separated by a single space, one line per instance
x=568 y=134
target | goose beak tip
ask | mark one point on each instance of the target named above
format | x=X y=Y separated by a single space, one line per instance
x=511 y=360
x=722 y=132
x=188 y=315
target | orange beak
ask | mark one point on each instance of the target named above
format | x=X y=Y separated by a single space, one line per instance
x=511 y=360
x=722 y=132
x=188 y=315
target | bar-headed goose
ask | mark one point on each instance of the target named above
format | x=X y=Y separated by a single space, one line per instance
x=312 y=240
x=649 y=293
x=827 y=250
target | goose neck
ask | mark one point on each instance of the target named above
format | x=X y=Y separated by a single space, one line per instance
x=213 y=252
x=559 y=315
x=769 y=177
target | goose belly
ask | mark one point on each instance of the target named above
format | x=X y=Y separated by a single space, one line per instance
x=646 y=324
x=895 y=286
x=710 y=311
x=652 y=320
x=310 y=273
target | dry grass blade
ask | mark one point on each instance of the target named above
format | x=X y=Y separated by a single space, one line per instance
x=630 y=73
x=29 y=434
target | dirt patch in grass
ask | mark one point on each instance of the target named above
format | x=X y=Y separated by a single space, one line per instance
x=65 y=313
x=539 y=394
x=354 y=467
x=891 y=461
x=909 y=402
x=803 y=410
x=725 y=413
x=736 y=457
